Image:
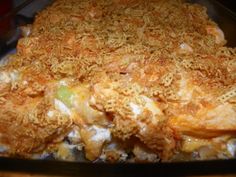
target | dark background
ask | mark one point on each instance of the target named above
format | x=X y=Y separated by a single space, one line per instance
x=231 y=4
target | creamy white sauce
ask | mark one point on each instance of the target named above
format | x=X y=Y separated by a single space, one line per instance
x=62 y=107
x=75 y=139
x=143 y=127
x=101 y=134
x=3 y=148
x=74 y=134
x=184 y=92
x=92 y=100
x=113 y=145
x=14 y=76
x=151 y=106
x=5 y=77
x=8 y=77
x=24 y=82
x=4 y=60
x=185 y=48
x=50 y=114
x=135 y=109
x=63 y=82
x=231 y=147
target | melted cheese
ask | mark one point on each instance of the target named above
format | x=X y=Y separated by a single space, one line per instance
x=191 y=144
x=59 y=105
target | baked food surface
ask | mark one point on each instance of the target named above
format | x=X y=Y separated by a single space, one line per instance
x=120 y=80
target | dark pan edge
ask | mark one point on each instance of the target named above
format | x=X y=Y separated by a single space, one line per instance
x=219 y=167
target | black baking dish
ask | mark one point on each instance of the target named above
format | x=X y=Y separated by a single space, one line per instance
x=226 y=19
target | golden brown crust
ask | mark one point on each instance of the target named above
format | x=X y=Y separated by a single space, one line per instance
x=26 y=128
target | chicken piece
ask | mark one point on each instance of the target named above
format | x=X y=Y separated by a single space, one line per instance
x=92 y=124
x=135 y=115
x=29 y=122
x=26 y=127
x=94 y=138
x=200 y=112
x=86 y=114
x=211 y=121
x=217 y=33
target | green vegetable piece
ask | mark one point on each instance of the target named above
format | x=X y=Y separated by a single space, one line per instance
x=65 y=95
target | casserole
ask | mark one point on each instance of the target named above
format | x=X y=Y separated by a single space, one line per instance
x=63 y=90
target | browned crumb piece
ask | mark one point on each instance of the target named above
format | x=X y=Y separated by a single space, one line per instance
x=26 y=128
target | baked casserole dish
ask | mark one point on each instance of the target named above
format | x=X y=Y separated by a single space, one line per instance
x=120 y=81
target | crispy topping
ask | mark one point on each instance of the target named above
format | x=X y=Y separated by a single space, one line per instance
x=136 y=69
